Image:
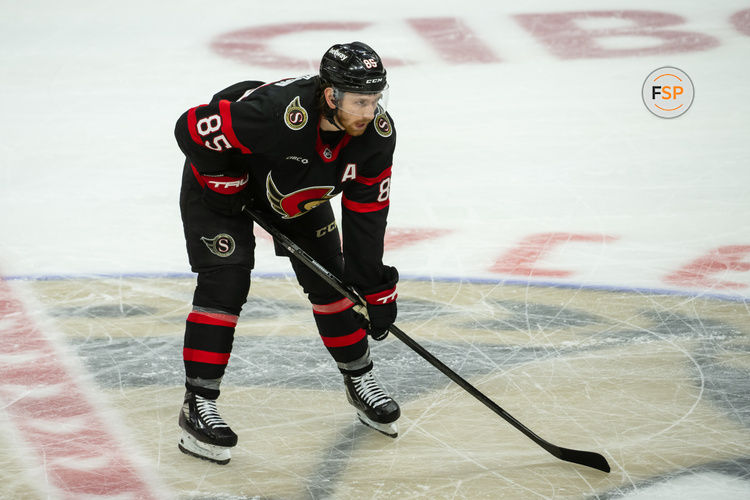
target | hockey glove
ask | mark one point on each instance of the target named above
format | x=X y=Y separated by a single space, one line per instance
x=381 y=305
x=224 y=194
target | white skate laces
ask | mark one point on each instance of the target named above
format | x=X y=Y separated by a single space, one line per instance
x=208 y=412
x=374 y=407
x=369 y=391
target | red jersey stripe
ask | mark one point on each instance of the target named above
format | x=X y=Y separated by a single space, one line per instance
x=345 y=340
x=333 y=307
x=226 y=127
x=208 y=318
x=193 y=124
x=213 y=358
x=371 y=181
x=356 y=206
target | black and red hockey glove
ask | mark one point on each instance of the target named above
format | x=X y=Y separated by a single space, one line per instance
x=226 y=194
x=381 y=304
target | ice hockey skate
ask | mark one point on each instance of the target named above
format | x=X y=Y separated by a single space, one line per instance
x=204 y=433
x=374 y=407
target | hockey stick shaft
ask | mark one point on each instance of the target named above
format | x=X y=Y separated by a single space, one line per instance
x=587 y=458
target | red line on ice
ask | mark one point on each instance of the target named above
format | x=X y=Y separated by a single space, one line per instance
x=53 y=415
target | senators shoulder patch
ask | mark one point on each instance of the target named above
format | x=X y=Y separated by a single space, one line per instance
x=295 y=115
x=383 y=125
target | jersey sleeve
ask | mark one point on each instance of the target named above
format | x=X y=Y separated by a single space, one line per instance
x=213 y=135
x=365 y=204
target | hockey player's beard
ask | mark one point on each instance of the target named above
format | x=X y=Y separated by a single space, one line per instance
x=352 y=124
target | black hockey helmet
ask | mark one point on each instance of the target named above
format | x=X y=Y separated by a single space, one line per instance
x=353 y=67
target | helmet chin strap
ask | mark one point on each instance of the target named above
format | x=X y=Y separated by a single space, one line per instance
x=331 y=117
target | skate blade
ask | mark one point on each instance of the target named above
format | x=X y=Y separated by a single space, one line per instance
x=390 y=430
x=191 y=446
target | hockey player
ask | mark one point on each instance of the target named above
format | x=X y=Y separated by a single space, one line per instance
x=286 y=148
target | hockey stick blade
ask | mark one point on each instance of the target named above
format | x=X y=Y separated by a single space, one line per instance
x=587 y=458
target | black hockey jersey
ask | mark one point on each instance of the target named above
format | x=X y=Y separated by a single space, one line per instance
x=267 y=136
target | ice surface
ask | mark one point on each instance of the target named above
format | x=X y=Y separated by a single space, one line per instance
x=580 y=261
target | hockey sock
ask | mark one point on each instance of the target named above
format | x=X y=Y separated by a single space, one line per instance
x=343 y=336
x=208 y=343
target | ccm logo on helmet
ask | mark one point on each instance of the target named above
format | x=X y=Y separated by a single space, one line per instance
x=374 y=80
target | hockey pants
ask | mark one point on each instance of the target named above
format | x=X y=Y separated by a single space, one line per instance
x=221 y=250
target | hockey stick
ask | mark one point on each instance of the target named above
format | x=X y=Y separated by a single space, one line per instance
x=587 y=458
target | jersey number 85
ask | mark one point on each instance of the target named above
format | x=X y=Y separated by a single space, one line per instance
x=207 y=126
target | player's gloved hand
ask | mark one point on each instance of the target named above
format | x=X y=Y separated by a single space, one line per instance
x=226 y=194
x=381 y=304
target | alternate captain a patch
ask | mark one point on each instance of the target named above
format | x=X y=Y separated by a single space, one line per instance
x=383 y=125
x=295 y=115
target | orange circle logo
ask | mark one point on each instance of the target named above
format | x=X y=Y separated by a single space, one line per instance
x=668 y=92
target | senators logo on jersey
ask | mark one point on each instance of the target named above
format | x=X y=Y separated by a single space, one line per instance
x=382 y=124
x=297 y=203
x=221 y=245
x=295 y=115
